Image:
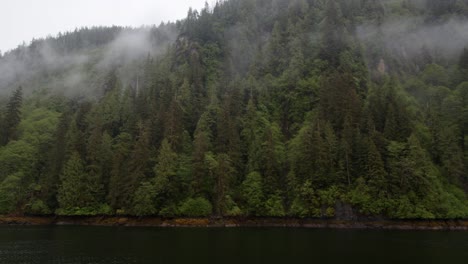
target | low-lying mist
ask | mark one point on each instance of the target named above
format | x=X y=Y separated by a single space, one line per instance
x=75 y=71
x=409 y=37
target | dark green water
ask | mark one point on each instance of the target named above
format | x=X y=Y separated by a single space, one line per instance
x=97 y=245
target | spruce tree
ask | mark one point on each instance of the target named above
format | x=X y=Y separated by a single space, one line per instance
x=76 y=194
x=12 y=117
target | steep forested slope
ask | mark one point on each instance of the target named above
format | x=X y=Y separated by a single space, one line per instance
x=304 y=108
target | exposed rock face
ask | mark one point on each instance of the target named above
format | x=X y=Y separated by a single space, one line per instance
x=382 y=68
x=344 y=211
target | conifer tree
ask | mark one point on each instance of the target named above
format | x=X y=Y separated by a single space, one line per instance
x=166 y=172
x=12 y=117
x=376 y=174
x=76 y=194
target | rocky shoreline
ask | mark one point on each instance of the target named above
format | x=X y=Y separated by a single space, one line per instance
x=461 y=225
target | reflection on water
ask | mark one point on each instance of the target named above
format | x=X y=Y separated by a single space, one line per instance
x=45 y=251
x=99 y=245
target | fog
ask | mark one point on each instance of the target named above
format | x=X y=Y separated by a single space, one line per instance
x=78 y=72
x=407 y=37
x=23 y=20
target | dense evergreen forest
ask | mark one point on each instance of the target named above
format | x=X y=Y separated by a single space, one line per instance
x=299 y=108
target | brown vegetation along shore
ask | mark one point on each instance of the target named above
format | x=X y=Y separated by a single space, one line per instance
x=237 y=222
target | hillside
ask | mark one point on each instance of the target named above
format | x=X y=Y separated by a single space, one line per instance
x=300 y=108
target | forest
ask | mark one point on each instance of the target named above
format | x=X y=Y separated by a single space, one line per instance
x=246 y=108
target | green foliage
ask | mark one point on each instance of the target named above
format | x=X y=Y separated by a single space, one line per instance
x=170 y=210
x=252 y=193
x=10 y=189
x=102 y=209
x=17 y=156
x=76 y=194
x=144 y=200
x=118 y=194
x=196 y=207
x=12 y=117
x=38 y=207
x=305 y=111
x=328 y=198
x=167 y=162
x=232 y=209
x=164 y=186
x=37 y=126
x=306 y=202
x=435 y=75
x=274 y=206
x=361 y=197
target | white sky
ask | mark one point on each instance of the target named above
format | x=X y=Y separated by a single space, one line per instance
x=23 y=20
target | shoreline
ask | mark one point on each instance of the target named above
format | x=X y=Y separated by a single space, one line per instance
x=127 y=221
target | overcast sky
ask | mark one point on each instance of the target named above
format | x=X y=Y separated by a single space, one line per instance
x=23 y=20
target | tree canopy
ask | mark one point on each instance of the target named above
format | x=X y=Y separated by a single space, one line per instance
x=245 y=108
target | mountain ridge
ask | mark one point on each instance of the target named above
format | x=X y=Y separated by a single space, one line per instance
x=301 y=108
